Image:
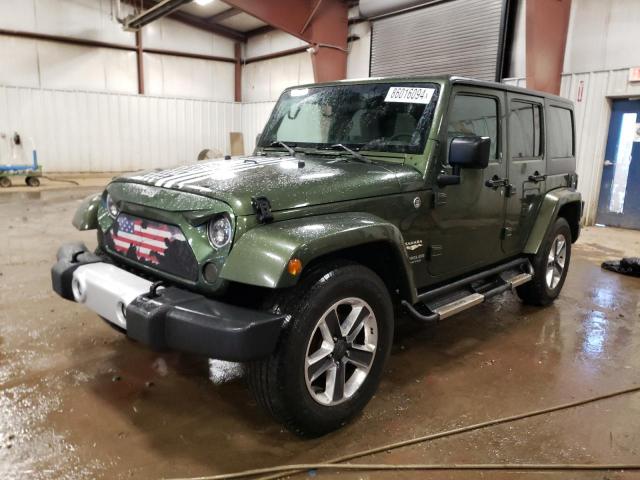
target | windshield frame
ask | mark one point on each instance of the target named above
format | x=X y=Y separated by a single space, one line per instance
x=424 y=122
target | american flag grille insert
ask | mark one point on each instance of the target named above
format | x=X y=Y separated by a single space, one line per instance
x=154 y=244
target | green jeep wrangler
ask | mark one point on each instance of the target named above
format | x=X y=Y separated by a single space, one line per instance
x=363 y=200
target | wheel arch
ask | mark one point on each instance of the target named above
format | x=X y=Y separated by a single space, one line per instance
x=86 y=216
x=572 y=212
x=562 y=202
x=384 y=259
x=261 y=255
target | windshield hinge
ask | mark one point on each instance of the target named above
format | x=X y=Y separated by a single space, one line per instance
x=262 y=207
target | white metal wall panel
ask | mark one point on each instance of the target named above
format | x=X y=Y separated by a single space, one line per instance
x=86 y=68
x=265 y=81
x=271 y=42
x=359 y=51
x=254 y=118
x=455 y=37
x=168 y=34
x=602 y=35
x=516 y=82
x=170 y=76
x=52 y=65
x=19 y=62
x=91 y=19
x=592 y=113
x=101 y=132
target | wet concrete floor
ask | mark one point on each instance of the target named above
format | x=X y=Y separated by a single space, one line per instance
x=78 y=400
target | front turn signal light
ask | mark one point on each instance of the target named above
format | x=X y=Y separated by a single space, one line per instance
x=294 y=267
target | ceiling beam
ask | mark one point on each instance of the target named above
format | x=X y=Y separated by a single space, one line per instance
x=198 y=22
x=203 y=24
x=156 y=12
x=259 y=31
x=222 y=16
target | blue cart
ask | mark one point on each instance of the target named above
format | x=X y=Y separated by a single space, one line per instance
x=29 y=173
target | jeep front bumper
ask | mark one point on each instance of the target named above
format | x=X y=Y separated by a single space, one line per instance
x=173 y=318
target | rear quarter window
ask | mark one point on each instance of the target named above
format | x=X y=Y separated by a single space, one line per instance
x=560 y=143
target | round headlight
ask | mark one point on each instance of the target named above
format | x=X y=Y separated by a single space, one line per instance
x=112 y=208
x=219 y=230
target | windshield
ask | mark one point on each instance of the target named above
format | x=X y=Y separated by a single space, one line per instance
x=389 y=117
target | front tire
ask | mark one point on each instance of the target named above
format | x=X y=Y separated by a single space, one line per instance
x=331 y=355
x=550 y=266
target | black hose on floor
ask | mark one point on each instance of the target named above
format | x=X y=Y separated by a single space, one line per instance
x=334 y=464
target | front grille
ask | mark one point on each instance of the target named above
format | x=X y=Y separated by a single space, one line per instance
x=153 y=244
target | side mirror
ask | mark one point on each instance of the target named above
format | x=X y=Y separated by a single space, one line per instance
x=466 y=152
x=469 y=152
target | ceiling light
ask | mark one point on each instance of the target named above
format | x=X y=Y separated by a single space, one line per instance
x=202 y=3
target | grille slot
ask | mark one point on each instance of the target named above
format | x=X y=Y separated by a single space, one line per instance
x=160 y=246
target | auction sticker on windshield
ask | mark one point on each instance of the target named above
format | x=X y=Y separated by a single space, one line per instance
x=409 y=95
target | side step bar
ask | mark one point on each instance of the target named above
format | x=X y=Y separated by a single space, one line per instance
x=458 y=305
x=437 y=292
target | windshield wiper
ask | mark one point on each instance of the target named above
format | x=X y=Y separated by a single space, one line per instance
x=353 y=153
x=291 y=151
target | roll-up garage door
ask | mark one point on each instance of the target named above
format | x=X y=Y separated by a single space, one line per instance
x=460 y=37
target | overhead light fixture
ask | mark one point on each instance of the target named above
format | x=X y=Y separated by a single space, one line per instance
x=202 y=3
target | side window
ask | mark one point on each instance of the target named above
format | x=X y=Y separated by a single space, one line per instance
x=560 y=132
x=525 y=138
x=472 y=115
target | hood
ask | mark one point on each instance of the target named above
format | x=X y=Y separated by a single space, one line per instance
x=283 y=180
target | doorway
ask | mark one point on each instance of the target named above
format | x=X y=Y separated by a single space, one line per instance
x=619 y=203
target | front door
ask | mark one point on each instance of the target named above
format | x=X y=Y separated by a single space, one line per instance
x=468 y=217
x=619 y=204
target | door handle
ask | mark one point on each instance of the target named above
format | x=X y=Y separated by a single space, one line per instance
x=496 y=182
x=536 y=177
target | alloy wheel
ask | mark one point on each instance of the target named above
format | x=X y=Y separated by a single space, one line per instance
x=341 y=351
x=556 y=261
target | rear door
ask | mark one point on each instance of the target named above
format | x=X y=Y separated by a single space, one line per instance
x=526 y=169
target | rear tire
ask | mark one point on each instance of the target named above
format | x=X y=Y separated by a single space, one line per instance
x=550 y=266
x=5 y=182
x=299 y=384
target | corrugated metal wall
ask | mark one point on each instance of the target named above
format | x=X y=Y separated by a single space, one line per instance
x=254 y=118
x=591 y=93
x=33 y=63
x=96 y=132
x=458 y=37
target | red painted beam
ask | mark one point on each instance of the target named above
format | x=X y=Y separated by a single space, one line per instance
x=547 y=22
x=140 y=62
x=238 y=72
x=322 y=23
x=329 y=28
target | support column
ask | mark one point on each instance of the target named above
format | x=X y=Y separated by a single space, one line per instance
x=329 y=30
x=322 y=23
x=140 y=61
x=238 y=72
x=547 y=23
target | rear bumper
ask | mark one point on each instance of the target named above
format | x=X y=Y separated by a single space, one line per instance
x=174 y=319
